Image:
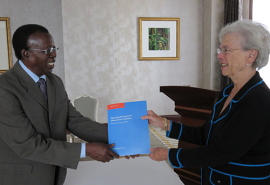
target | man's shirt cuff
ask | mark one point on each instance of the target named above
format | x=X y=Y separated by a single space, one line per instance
x=83 y=152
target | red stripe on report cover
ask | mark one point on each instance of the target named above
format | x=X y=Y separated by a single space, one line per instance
x=115 y=106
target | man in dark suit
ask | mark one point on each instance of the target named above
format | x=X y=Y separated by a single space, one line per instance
x=33 y=121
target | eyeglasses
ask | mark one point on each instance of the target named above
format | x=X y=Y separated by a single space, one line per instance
x=224 y=50
x=48 y=51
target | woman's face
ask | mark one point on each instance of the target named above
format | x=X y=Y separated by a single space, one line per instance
x=233 y=61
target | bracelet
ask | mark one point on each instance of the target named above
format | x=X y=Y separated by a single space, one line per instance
x=166 y=124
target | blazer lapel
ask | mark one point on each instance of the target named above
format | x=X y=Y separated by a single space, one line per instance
x=30 y=86
x=51 y=97
x=35 y=92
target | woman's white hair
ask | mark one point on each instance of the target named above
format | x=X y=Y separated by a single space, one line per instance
x=255 y=36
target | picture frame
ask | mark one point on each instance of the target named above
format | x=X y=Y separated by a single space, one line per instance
x=5 y=45
x=159 y=38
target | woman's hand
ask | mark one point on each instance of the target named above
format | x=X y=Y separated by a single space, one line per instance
x=158 y=154
x=154 y=119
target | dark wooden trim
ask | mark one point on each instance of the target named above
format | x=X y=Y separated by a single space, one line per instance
x=193 y=109
x=191 y=173
x=189 y=179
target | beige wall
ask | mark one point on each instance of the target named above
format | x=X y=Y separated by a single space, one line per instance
x=101 y=51
x=101 y=46
x=44 y=12
x=213 y=21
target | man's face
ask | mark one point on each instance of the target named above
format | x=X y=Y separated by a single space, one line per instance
x=37 y=61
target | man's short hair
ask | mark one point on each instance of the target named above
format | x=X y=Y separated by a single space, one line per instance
x=21 y=35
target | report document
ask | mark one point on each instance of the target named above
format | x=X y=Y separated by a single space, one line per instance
x=127 y=130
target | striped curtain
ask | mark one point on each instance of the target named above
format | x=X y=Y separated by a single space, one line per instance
x=231 y=10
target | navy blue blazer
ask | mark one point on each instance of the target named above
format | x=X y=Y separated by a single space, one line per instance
x=235 y=145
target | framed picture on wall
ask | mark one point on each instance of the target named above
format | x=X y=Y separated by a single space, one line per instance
x=159 y=38
x=5 y=45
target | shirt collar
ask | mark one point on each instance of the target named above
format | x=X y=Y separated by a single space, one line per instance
x=30 y=73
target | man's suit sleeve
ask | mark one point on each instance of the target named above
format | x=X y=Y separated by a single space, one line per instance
x=17 y=131
x=85 y=128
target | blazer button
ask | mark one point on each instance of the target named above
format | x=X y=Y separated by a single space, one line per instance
x=218 y=181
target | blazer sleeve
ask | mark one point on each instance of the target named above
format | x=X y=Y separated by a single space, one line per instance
x=75 y=123
x=195 y=135
x=17 y=131
x=85 y=128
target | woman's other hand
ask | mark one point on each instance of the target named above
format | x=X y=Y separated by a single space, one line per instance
x=159 y=154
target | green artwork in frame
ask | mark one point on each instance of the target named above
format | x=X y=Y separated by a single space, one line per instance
x=159 y=38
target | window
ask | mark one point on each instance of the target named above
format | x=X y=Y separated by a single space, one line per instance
x=261 y=13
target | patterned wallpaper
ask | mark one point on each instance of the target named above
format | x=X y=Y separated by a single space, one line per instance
x=46 y=13
x=101 y=51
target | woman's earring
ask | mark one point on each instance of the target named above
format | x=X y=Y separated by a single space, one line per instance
x=247 y=64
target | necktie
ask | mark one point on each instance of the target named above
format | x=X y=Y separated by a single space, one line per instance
x=42 y=86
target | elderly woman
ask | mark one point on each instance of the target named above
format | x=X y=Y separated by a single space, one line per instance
x=235 y=140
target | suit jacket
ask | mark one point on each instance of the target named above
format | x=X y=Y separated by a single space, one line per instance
x=235 y=144
x=33 y=147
